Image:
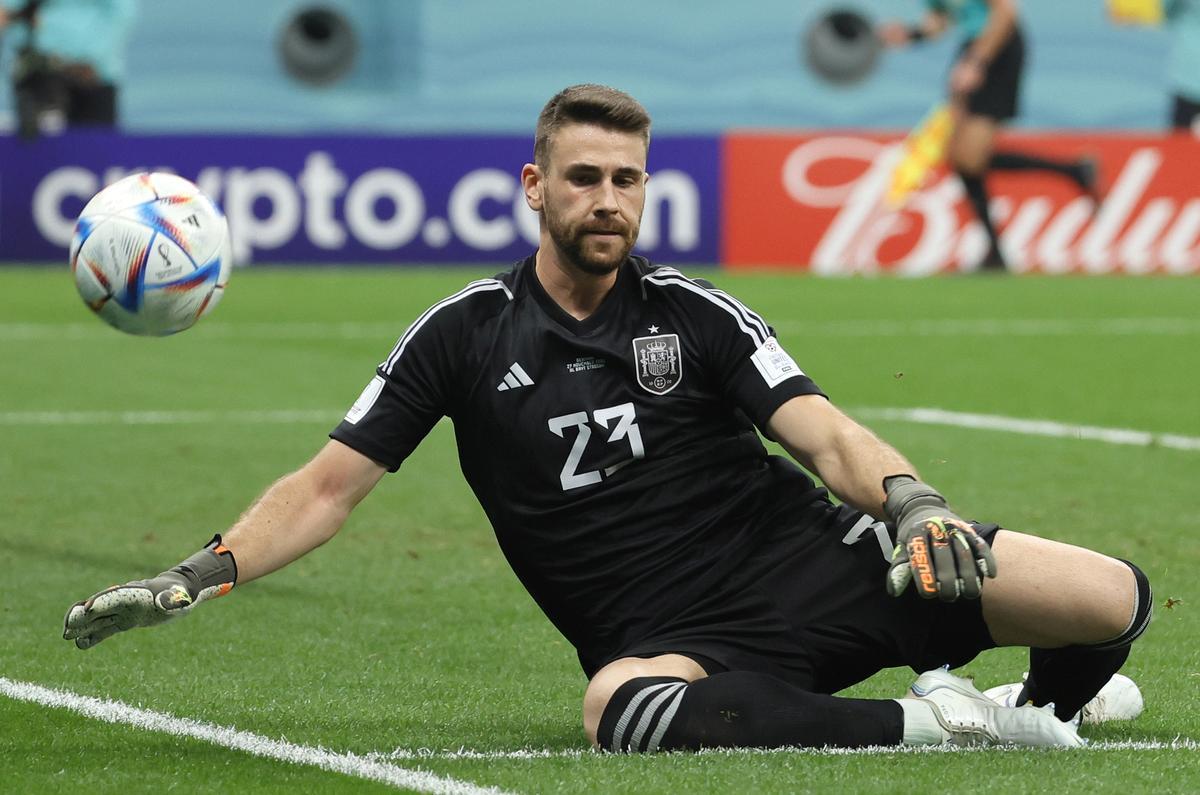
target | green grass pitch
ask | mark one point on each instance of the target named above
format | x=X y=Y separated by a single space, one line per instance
x=409 y=632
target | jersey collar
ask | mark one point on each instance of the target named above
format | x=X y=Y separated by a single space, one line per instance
x=594 y=321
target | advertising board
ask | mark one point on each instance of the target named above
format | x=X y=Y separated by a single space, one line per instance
x=816 y=202
x=345 y=199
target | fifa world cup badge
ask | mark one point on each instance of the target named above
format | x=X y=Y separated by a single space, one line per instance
x=659 y=367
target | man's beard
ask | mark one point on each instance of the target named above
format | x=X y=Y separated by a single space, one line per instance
x=570 y=243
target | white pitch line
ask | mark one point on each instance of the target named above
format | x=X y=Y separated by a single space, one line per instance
x=348 y=764
x=413 y=754
x=995 y=327
x=376 y=767
x=922 y=416
x=202 y=417
x=1059 y=430
x=385 y=332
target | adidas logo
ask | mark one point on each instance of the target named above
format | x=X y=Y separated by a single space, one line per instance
x=515 y=378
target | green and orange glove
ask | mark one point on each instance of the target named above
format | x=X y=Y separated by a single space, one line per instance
x=938 y=552
x=209 y=573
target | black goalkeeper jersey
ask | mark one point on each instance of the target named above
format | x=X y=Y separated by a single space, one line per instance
x=616 y=457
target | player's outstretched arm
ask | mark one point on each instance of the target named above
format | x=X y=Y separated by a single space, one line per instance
x=898 y=34
x=935 y=549
x=301 y=511
x=294 y=516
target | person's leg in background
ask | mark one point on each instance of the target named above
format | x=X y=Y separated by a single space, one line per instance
x=970 y=154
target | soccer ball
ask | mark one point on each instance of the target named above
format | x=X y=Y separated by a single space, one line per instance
x=151 y=254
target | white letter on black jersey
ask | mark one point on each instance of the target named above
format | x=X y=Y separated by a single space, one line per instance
x=626 y=429
x=569 y=479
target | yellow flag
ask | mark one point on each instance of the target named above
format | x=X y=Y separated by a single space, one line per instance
x=1136 y=12
x=924 y=150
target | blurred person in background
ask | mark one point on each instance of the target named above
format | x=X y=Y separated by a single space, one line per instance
x=70 y=61
x=984 y=85
x=1183 y=66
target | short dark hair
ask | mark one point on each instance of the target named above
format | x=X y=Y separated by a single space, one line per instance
x=588 y=103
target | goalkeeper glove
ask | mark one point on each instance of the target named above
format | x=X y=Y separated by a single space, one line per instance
x=209 y=573
x=938 y=551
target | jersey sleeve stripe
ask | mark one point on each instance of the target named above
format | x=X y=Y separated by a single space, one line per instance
x=753 y=330
x=748 y=315
x=483 y=285
x=751 y=316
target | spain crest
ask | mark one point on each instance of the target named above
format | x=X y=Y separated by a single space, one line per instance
x=659 y=365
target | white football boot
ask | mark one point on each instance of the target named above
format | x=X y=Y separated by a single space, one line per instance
x=967 y=717
x=1119 y=699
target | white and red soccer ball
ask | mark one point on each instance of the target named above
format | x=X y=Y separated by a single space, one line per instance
x=151 y=254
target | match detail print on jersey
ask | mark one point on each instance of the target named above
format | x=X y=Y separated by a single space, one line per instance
x=659 y=365
x=365 y=401
x=773 y=363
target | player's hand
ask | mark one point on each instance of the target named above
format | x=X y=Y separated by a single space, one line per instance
x=965 y=77
x=938 y=552
x=141 y=603
x=893 y=34
x=209 y=573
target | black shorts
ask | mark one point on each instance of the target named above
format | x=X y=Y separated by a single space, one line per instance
x=811 y=608
x=997 y=98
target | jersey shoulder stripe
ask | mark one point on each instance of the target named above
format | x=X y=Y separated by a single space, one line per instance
x=749 y=322
x=750 y=315
x=476 y=287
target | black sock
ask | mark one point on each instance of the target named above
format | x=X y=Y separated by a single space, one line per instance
x=1018 y=161
x=1070 y=677
x=978 y=196
x=741 y=709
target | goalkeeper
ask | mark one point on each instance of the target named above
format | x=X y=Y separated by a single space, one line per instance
x=605 y=412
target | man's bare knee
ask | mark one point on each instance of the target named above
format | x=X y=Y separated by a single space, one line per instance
x=969 y=164
x=1051 y=594
x=609 y=678
x=970 y=148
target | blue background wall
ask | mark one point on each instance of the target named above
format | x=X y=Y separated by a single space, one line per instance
x=702 y=66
